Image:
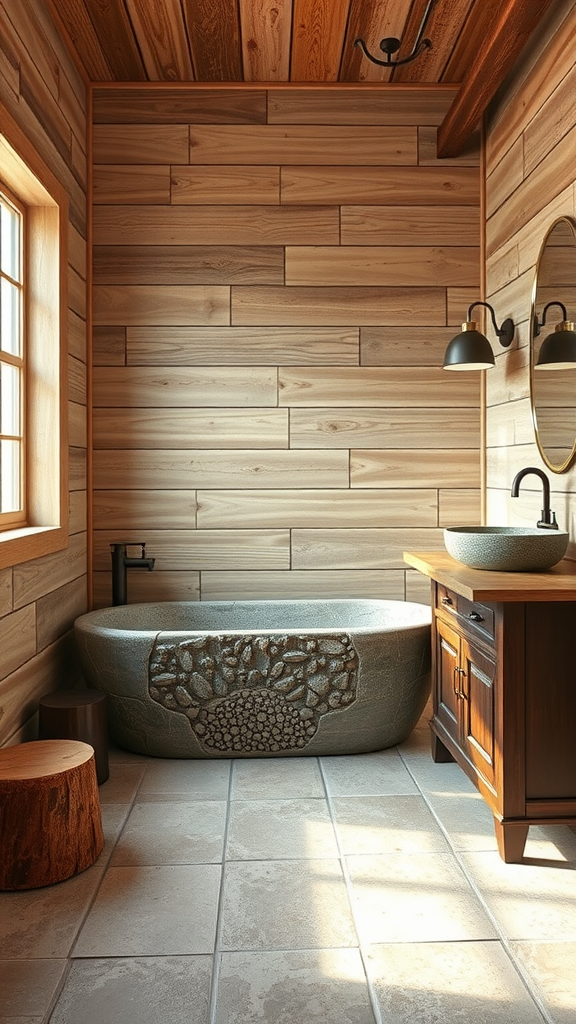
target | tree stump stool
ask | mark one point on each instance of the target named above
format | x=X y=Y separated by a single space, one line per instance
x=50 y=821
x=77 y=715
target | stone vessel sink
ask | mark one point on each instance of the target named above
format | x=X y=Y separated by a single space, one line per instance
x=506 y=548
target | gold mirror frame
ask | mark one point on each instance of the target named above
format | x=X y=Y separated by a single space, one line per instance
x=553 y=392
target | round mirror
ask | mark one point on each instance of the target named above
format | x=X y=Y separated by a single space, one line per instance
x=553 y=392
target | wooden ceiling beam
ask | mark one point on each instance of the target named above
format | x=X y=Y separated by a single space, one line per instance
x=496 y=52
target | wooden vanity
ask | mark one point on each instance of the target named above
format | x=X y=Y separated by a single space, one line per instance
x=504 y=688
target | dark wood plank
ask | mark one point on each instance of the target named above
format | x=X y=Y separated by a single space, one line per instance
x=495 y=55
x=81 y=38
x=162 y=39
x=443 y=28
x=214 y=33
x=189 y=105
x=188 y=264
x=117 y=40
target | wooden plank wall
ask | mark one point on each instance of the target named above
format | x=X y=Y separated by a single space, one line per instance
x=40 y=599
x=275 y=273
x=531 y=180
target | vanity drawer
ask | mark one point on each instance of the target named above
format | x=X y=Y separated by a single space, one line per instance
x=470 y=615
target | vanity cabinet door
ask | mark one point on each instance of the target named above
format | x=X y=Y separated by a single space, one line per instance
x=477 y=678
x=446 y=699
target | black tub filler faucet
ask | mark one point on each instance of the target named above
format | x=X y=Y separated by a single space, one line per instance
x=121 y=562
x=547 y=519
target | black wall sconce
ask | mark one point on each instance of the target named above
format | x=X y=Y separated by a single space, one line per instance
x=471 y=350
x=558 y=350
x=391 y=45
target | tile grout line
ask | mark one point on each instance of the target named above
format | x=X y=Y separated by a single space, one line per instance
x=216 y=955
x=502 y=938
x=373 y=999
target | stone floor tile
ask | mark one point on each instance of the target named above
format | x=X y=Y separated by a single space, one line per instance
x=326 y=986
x=139 y=990
x=380 y=774
x=386 y=824
x=285 y=829
x=276 y=778
x=415 y=898
x=532 y=901
x=186 y=779
x=285 y=905
x=153 y=911
x=122 y=784
x=173 y=833
x=445 y=982
x=28 y=987
x=550 y=969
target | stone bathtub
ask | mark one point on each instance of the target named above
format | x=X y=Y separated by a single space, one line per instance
x=259 y=678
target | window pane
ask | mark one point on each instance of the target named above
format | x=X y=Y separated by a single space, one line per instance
x=10 y=497
x=9 y=318
x=9 y=399
x=10 y=241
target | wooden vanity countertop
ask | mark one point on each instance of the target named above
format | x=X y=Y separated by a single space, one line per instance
x=555 y=584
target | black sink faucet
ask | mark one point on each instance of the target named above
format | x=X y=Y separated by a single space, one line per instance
x=547 y=517
x=121 y=561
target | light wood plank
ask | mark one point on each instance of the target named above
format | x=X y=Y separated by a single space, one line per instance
x=77 y=297
x=394 y=346
x=388 y=265
x=77 y=473
x=547 y=180
x=136 y=144
x=458 y=301
x=188 y=264
x=172 y=305
x=417 y=468
x=419 y=186
x=77 y=512
x=131 y=183
x=374 y=386
x=200 y=105
x=302 y=144
x=417 y=587
x=260 y=346
x=300 y=584
x=505 y=178
x=182 y=550
x=21 y=690
x=144 y=510
x=396 y=105
x=17 y=638
x=149 y=586
x=118 y=470
x=109 y=346
x=384 y=428
x=359 y=549
x=76 y=380
x=458 y=507
x=509 y=424
x=56 y=612
x=371 y=22
x=509 y=380
x=503 y=267
x=410 y=225
x=216 y=225
x=5 y=590
x=35 y=579
x=162 y=39
x=350 y=306
x=317 y=508
x=184 y=387
x=266 y=30
x=190 y=428
x=317 y=33
x=552 y=122
x=228 y=185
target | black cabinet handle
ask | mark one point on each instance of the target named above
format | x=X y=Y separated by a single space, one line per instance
x=446 y=600
x=476 y=617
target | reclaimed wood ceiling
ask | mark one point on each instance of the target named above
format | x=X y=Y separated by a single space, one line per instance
x=274 y=40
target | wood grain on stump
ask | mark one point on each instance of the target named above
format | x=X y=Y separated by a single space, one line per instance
x=50 y=821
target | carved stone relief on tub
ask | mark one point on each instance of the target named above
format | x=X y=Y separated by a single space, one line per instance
x=254 y=694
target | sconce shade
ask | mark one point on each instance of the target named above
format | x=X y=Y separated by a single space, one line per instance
x=469 y=350
x=558 y=350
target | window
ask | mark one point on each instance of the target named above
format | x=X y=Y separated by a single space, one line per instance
x=33 y=352
x=12 y=354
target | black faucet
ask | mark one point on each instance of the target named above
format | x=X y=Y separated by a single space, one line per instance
x=548 y=518
x=120 y=563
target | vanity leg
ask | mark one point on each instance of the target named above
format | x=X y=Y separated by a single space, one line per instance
x=511 y=838
x=440 y=753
